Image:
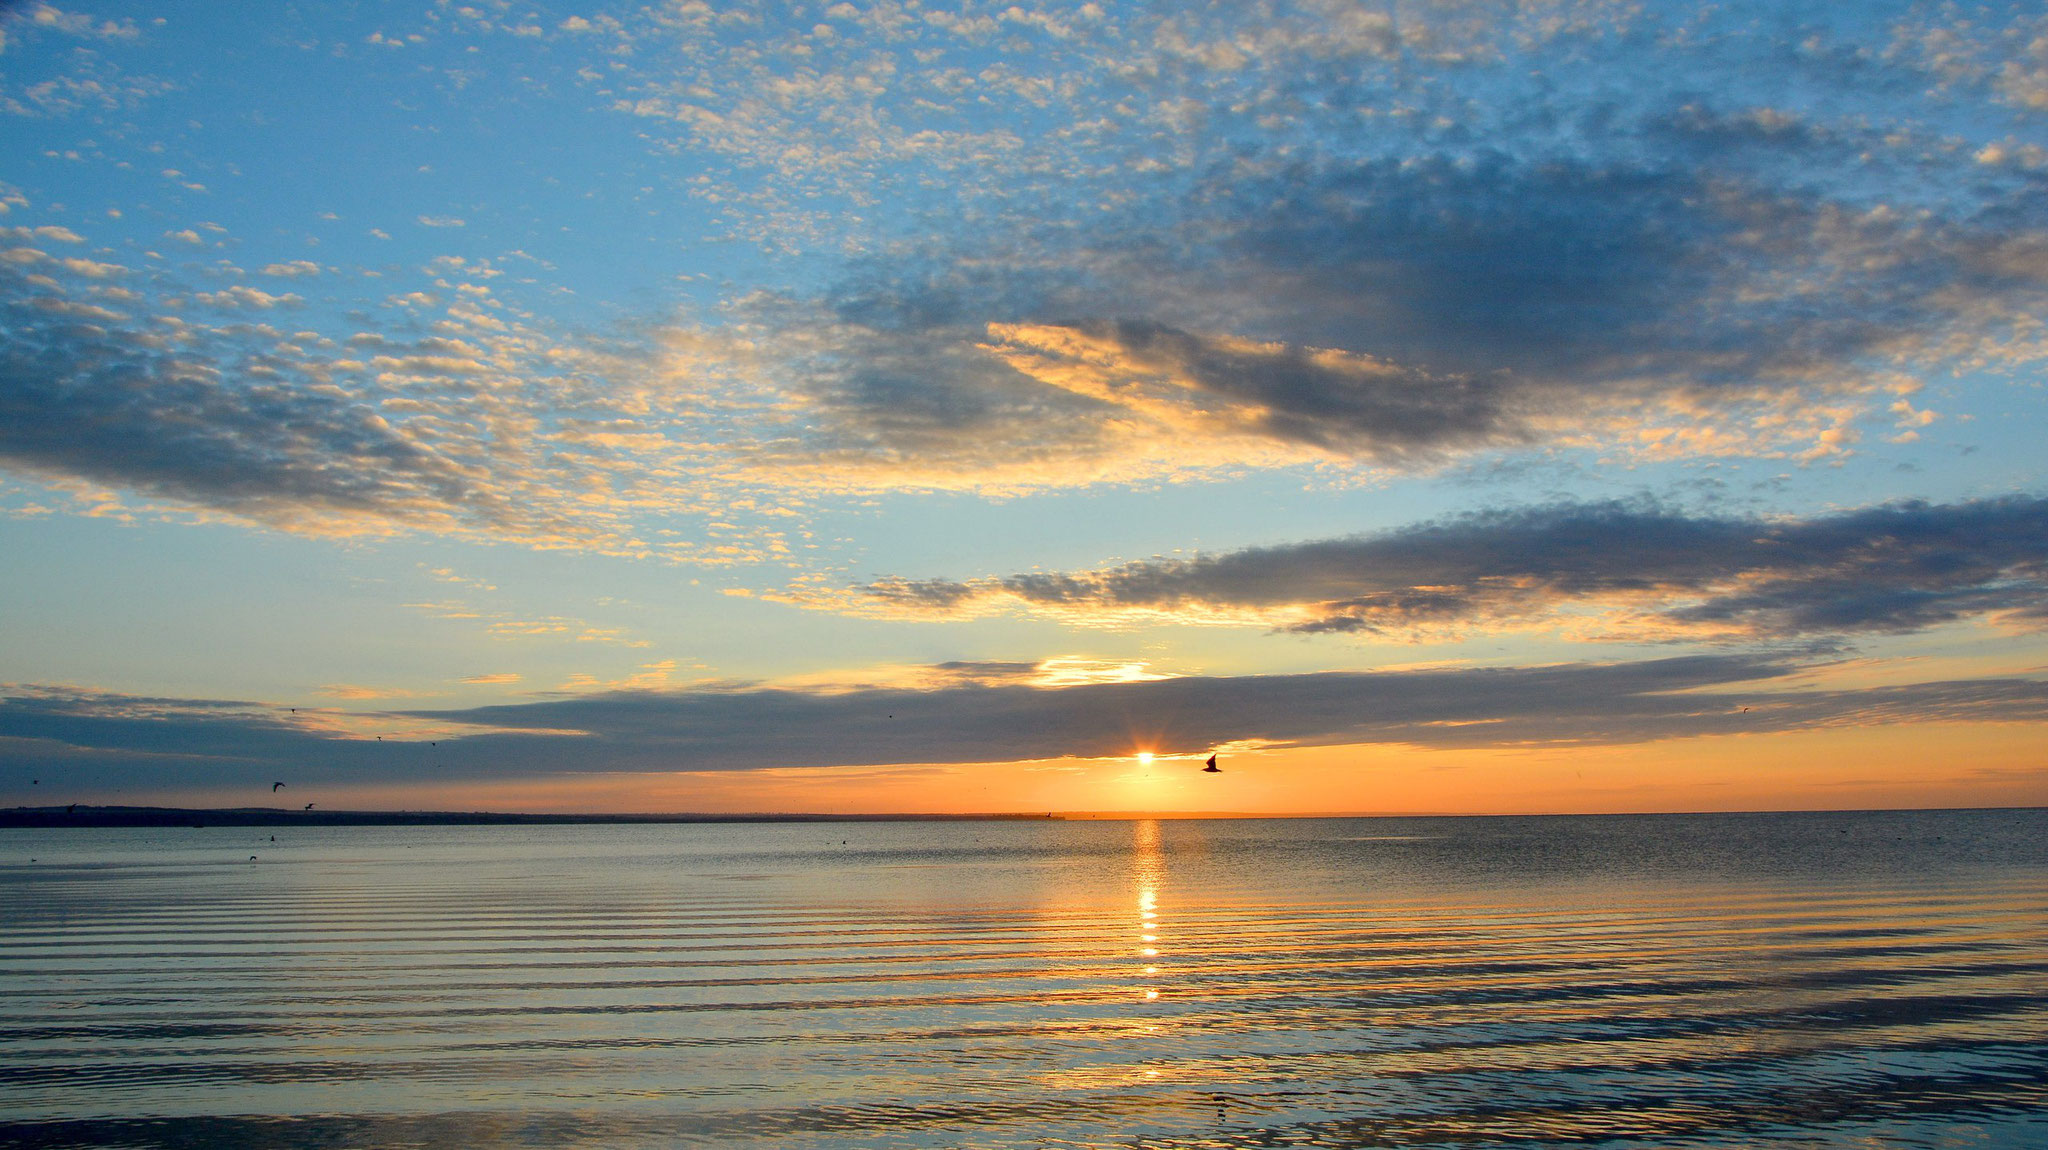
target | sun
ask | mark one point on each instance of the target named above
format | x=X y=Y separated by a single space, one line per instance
x=1144 y=758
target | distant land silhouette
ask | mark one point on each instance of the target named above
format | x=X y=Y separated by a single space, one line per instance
x=85 y=816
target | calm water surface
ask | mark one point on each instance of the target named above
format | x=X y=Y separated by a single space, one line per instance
x=1839 y=980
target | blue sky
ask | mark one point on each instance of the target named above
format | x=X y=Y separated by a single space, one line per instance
x=447 y=372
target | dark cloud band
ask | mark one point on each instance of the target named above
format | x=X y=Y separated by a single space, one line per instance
x=120 y=740
x=1894 y=568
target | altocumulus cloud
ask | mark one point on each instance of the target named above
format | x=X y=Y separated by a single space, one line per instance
x=1295 y=232
x=105 y=740
x=1400 y=312
x=1652 y=269
x=85 y=395
x=1622 y=569
x=471 y=430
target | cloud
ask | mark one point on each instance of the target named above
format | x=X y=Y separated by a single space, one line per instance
x=1304 y=238
x=1390 y=246
x=160 y=414
x=452 y=416
x=48 y=17
x=65 y=82
x=166 y=743
x=1059 y=671
x=50 y=232
x=66 y=726
x=357 y=693
x=1559 y=283
x=1614 y=570
x=436 y=411
x=1399 y=311
x=1210 y=387
x=244 y=296
x=500 y=624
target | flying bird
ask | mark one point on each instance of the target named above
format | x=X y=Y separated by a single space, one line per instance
x=274 y=787
x=309 y=806
x=1212 y=768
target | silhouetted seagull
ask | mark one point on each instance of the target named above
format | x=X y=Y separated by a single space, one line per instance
x=309 y=806
x=275 y=787
x=1212 y=768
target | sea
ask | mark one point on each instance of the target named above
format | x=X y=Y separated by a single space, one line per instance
x=1875 y=979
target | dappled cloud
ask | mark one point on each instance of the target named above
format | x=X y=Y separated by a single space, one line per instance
x=1072 y=245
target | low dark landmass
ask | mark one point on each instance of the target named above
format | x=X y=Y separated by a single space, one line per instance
x=85 y=816
x=90 y=816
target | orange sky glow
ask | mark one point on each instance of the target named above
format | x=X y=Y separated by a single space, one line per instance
x=1933 y=765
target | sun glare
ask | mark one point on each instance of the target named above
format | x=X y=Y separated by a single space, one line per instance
x=1144 y=758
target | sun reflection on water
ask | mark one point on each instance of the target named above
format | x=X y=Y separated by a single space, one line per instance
x=1148 y=869
x=1677 y=981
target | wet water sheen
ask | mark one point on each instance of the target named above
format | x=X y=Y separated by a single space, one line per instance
x=1842 y=980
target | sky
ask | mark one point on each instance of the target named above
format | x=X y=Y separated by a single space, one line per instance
x=987 y=407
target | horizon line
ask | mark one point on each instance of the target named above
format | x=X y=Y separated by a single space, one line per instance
x=109 y=816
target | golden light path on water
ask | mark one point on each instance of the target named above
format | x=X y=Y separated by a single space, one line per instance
x=1809 y=980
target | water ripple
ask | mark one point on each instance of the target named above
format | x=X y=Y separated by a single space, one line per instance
x=1647 y=983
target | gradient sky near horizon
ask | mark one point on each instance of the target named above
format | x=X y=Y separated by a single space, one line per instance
x=907 y=406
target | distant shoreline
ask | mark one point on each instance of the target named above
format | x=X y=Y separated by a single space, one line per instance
x=86 y=816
